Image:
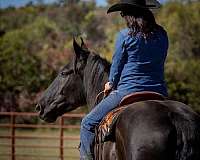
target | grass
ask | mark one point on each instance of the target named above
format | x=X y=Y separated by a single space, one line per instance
x=70 y=154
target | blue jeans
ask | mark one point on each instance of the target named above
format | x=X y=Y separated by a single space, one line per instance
x=91 y=120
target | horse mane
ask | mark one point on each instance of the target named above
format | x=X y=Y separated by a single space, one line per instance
x=96 y=57
x=95 y=76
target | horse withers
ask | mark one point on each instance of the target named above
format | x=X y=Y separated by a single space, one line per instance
x=145 y=130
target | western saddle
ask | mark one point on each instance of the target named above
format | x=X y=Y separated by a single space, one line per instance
x=106 y=127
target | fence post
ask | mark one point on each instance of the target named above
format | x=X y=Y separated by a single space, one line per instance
x=61 y=138
x=12 y=119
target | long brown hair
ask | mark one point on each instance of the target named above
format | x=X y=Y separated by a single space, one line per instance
x=140 y=20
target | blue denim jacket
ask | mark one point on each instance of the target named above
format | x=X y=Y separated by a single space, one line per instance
x=138 y=63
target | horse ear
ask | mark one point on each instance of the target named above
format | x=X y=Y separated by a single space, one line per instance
x=83 y=45
x=80 y=51
x=77 y=47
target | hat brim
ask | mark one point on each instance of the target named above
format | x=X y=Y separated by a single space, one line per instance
x=128 y=6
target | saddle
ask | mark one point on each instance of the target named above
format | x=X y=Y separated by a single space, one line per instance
x=105 y=130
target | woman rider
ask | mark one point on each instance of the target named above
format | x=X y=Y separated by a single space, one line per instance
x=137 y=65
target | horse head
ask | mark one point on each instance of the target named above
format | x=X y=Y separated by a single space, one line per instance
x=66 y=92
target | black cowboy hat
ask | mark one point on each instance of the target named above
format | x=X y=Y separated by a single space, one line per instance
x=129 y=4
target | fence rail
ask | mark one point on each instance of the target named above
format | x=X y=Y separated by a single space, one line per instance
x=13 y=137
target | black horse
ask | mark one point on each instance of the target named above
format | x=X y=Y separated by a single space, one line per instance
x=146 y=130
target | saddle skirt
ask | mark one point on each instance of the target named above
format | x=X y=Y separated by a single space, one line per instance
x=105 y=130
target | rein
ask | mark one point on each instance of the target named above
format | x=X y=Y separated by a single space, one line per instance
x=98 y=95
x=105 y=94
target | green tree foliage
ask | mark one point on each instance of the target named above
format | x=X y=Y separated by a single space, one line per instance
x=181 y=20
x=67 y=2
x=12 y=18
x=22 y=69
x=182 y=23
x=183 y=81
x=19 y=59
x=110 y=2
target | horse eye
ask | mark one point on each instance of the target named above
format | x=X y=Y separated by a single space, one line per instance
x=65 y=73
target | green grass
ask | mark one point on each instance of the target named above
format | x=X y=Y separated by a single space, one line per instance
x=68 y=153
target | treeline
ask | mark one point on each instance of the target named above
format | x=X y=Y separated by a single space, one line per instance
x=35 y=41
x=181 y=20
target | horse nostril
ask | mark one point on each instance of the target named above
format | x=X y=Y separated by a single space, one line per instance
x=38 y=108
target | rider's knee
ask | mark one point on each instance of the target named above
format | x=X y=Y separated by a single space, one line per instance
x=87 y=123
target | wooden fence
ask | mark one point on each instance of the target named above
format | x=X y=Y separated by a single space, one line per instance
x=61 y=126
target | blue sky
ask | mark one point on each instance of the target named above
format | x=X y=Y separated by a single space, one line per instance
x=17 y=3
x=101 y=2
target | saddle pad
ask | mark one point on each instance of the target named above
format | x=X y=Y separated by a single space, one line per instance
x=105 y=129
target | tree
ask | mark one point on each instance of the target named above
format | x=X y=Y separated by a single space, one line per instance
x=66 y=2
x=23 y=60
x=183 y=26
x=112 y=1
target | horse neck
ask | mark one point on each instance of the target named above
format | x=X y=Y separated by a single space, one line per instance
x=95 y=76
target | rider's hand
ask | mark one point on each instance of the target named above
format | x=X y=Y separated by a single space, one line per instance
x=107 y=88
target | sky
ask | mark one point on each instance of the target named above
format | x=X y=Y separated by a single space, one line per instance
x=101 y=2
x=18 y=3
